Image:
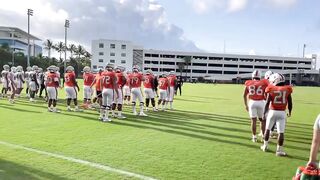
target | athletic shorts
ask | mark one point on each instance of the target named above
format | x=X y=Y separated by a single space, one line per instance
x=52 y=93
x=118 y=100
x=171 y=94
x=71 y=92
x=149 y=93
x=278 y=117
x=126 y=91
x=256 y=108
x=19 y=84
x=33 y=86
x=87 y=92
x=136 y=94
x=163 y=94
x=107 y=97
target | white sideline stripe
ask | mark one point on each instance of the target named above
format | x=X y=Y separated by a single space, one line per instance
x=88 y=163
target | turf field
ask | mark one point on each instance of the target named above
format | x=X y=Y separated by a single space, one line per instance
x=207 y=136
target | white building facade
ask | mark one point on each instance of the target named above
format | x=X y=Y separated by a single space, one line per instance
x=111 y=51
x=212 y=65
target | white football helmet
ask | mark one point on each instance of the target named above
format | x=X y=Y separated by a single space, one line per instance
x=19 y=68
x=256 y=74
x=13 y=69
x=276 y=78
x=52 y=69
x=6 y=67
x=268 y=74
x=40 y=70
x=35 y=68
x=110 y=66
x=171 y=73
x=120 y=69
x=69 y=68
x=135 y=68
x=29 y=69
x=86 y=69
x=149 y=71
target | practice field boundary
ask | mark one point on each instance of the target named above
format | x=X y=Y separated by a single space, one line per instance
x=79 y=161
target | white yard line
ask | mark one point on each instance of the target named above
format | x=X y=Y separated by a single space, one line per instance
x=80 y=161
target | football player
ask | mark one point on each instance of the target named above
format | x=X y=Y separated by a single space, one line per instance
x=149 y=89
x=136 y=79
x=34 y=86
x=27 y=79
x=52 y=83
x=88 y=78
x=126 y=89
x=172 y=84
x=117 y=103
x=109 y=85
x=255 y=91
x=5 y=80
x=278 y=99
x=71 y=84
x=163 y=91
x=315 y=144
x=19 y=80
x=97 y=84
x=41 y=79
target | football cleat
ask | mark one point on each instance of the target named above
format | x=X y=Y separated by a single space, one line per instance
x=105 y=119
x=142 y=114
x=69 y=109
x=55 y=110
x=77 y=109
x=264 y=148
x=100 y=118
x=155 y=109
x=281 y=153
x=121 y=117
x=50 y=110
x=254 y=139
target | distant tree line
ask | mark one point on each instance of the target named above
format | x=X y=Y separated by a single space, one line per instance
x=79 y=56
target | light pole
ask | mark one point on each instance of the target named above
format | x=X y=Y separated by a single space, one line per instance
x=30 y=13
x=66 y=26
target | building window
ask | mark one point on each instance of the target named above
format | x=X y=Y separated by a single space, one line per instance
x=231 y=65
x=123 y=61
x=214 y=72
x=101 y=53
x=147 y=62
x=123 y=55
x=101 y=45
x=123 y=46
x=215 y=65
x=94 y=66
x=112 y=46
x=199 y=71
x=199 y=64
x=112 y=61
x=112 y=54
x=101 y=60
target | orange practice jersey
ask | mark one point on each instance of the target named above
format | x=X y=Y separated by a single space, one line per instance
x=107 y=79
x=98 y=79
x=279 y=96
x=69 y=79
x=135 y=80
x=163 y=83
x=52 y=80
x=256 y=89
x=120 y=78
x=88 y=79
x=148 y=81
x=172 y=79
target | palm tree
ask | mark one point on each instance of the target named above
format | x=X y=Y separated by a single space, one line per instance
x=187 y=61
x=60 y=48
x=48 y=45
x=72 y=49
x=180 y=67
x=80 y=51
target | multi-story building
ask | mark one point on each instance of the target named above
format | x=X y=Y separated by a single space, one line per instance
x=111 y=51
x=210 y=65
x=17 y=40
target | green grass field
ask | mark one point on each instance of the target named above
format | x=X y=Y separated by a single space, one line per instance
x=207 y=136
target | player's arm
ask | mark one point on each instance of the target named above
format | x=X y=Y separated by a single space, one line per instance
x=76 y=83
x=21 y=78
x=266 y=107
x=7 y=80
x=36 y=81
x=93 y=82
x=124 y=80
x=314 y=148
x=245 y=97
x=114 y=82
x=289 y=105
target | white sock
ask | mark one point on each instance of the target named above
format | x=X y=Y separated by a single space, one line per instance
x=101 y=112
x=106 y=114
x=170 y=105
x=134 y=108
x=119 y=113
x=254 y=136
x=141 y=109
x=69 y=107
x=279 y=148
x=266 y=143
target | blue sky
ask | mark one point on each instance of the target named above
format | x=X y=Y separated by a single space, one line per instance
x=257 y=27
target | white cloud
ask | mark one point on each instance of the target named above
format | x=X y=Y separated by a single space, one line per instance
x=236 y=5
x=205 y=6
x=252 y=52
x=141 y=21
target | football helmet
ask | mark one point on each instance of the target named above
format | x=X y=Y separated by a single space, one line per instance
x=35 y=68
x=13 y=69
x=120 y=69
x=69 y=68
x=135 y=68
x=19 y=68
x=29 y=68
x=52 y=69
x=256 y=74
x=268 y=74
x=149 y=71
x=40 y=70
x=6 y=67
x=110 y=66
x=276 y=78
x=86 y=69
